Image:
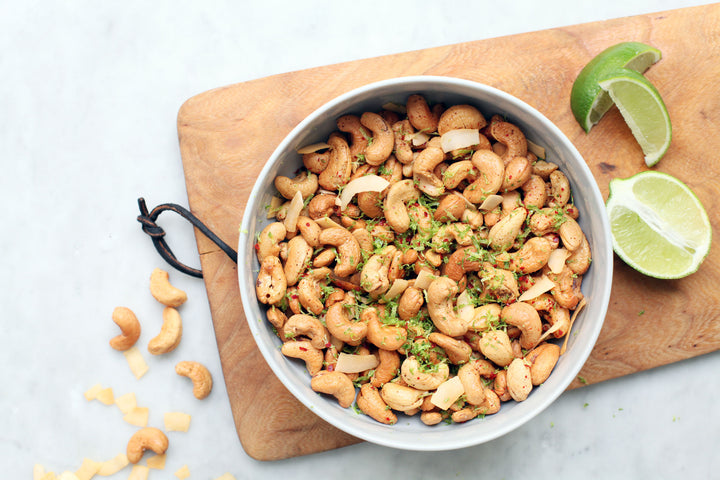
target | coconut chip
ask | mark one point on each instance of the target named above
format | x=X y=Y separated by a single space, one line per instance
x=366 y=183
x=315 y=147
x=459 y=138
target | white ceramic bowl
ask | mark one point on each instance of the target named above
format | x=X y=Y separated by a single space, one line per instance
x=409 y=433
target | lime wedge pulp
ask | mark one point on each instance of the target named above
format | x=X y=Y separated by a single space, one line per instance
x=588 y=100
x=643 y=109
x=658 y=225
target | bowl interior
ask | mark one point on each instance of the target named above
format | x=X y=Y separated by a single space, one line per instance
x=409 y=432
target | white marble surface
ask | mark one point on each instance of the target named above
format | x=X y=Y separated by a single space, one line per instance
x=90 y=95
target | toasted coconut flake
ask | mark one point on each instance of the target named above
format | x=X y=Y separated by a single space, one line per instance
x=423 y=280
x=544 y=284
x=556 y=262
x=398 y=287
x=572 y=321
x=468 y=203
x=114 y=465
x=491 y=202
x=327 y=222
x=395 y=107
x=275 y=204
x=460 y=138
x=296 y=205
x=348 y=363
x=536 y=149
x=176 y=421
x=447 y=393
x=465 y=308
x=138 y=416
x=315 y=147
x=366 y=183
x=420 y=138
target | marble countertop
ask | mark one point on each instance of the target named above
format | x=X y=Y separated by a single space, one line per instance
x=92 y=90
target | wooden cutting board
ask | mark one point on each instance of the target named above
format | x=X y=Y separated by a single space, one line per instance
x=227 y=134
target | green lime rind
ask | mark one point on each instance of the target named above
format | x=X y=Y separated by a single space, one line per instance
x=643 y=109
x=658 y=225
x=588 y=100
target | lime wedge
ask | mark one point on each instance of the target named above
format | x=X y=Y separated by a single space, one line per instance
x=588 y=101
x=658 y=225
x=643 y=109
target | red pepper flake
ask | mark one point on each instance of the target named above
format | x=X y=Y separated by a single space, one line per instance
x=256 y=247
x=303 y=349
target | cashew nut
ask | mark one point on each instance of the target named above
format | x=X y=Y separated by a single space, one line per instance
x=383 y=139
x=485 y=317
x=342 y=327
x=358 y=135
x=511 y=137
x=470 y=374
x=387 y=369
x=321 y=205
x=403 y=131
x=460 y=117
x=423 y=379
x=200 y=376
x=531 y=257
x=130 y=327
x=567 y=287
x=495 y=345
x=500 y=386
x=579 y=260
x=307 y=326
x=440 y=301
x=304 y=350
x=374 y=275
x=543 y=168
x=371 y=403
x=559 y=189
x=462 y=260
x=316 y=162
x=396 y=212
x=450 y=208
x=148 y=438
x=518 y=170
x=543 y=359
x=423 y=174
x=554 y=313
x=348 y=249
x=309 y=230
x=571 y=234
x=385 y=337
x=458 y=351
x=400 y=397
x=336 y=384
x=457 y=172
x=519 y=382
x=170 y=333
x=299 y=252
x=305 y=183
x=535 y=193
x=489 y=179
x=271 y=283
x=420 y=115
x=410 y=303
x=526 y=318
x=459 y=232
x=498 y=284
x=339 y=168
x=268 y=243
x=503 y=234
x=163 y=291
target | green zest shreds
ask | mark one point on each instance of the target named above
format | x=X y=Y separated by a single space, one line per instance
x=427 y=316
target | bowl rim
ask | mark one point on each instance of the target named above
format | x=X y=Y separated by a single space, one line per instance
x=387 y=437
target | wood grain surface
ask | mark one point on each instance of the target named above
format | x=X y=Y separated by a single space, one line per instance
x=227 y=134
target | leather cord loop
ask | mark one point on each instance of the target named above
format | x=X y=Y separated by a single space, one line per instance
x=148 y=221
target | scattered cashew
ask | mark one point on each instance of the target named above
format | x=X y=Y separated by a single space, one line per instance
x=336 y=384
x=269 y=240
x=383 y=139
x=495 y=345
x=417 y=377
x=526 y=318
x=339 y=168
x=387 y=369
x=358 y=135
x=304 y=350
x=440 y=301
x=395 y=208
x=170 y=333
x=163 y=291
x=305 y=183
x=460 y=116
x=342 y=327
x=371 y=403
x=519 y=382
x=400 y=397
x=148 y=438
x=420 y=115
x=423 y=174
x=511 y=137
x=543 y=359
x=306 y=326
x=130 y=327
x=200 y=376
x=385 y=337
x=271 y=283
x=348 y=249
x=458 y=351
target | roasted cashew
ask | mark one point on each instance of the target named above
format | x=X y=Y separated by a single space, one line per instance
x=400 y=397
x=271 y=283
x=490 y=405
x=459 y=232
x=403 y=131
x=440 y=301
x=503 y=234
x=306 y=326
x=423 y=171
x=485 y=317
x=571 y=234
x=579 y=260
x=457 y=351
x=305 y=183
x=420 y=115
x=200 y=376
x=518 y=170
x=450 y=209
x=543 y=168
x=170 y=333
x=304 y=350
x=374 y=275
x=470 y=374
x=309 y=230
x=163 y=291
x=268 y=243
x=371 y=403
x=554 y=313
x=338 y=322
x=460 y=117
x=387 y=369
x=567 y=287
x=410 y=303
x=535 y=193
x=383 y=139
x=316 y=162
x=321 y=205
x=359 y=137
x=385 y=337
x=500 y=386
x=298 y=256
x=495 y=345
x=511 y=137
x=416 y=377
x=348 y=250
x=336 y=384
x=526 y=318
x=490 y=174
x=276 y=317
x=473 y=218
x=457 y=172
x=431 y=418
x=519 y=382
x=130 y=327
x=309 y=291
x=148 y=438
x=498 y=283
x=339 y=168
x=396 y=212
x=529 y=258
x=559 y=189
x=542 y=359
x=546 y=220
x=462 y=260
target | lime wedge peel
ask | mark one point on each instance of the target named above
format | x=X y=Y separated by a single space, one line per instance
x=658 y=225
x=643 y=109
x=589 y=102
